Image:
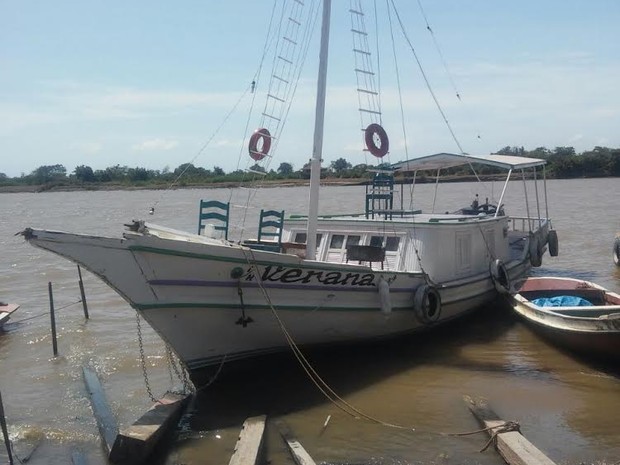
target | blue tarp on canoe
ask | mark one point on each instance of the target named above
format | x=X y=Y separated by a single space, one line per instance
x=562 y=301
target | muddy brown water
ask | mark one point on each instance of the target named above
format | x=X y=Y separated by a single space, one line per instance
x=568 y=406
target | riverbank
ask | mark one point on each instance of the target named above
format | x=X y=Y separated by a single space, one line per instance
x=61 y=187
x=216 y=185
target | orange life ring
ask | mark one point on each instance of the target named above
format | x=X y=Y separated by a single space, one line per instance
x=371 y=131
x=259 y=135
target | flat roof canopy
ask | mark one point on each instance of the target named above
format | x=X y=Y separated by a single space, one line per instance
x=448 y=160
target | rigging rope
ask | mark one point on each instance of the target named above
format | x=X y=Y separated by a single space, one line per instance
x=443 y=61
x=258 y=181
x=425 y=77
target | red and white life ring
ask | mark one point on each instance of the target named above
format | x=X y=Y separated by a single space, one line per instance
x=371 y=131
x=262 y=136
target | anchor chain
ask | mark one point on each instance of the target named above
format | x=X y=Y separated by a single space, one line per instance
x=142 y=359
x=179 y=371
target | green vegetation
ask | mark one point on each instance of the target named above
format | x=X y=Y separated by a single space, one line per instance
x=563 y=162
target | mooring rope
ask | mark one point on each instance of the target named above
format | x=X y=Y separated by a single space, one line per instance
x=318 y=381
x=338 y=401
x=44 y=313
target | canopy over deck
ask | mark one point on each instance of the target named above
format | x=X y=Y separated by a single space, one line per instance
x=448 y=160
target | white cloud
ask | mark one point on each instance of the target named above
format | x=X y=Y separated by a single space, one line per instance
x=154 y=145
x=88 y=148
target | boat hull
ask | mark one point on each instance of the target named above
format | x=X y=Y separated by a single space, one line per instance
x=6 y=310
x=592 y=330
x=212 y=301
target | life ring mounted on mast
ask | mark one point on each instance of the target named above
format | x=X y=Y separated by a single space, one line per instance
x=373 y=132
x=261 y=136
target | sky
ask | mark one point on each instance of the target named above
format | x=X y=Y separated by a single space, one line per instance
x=157 y=84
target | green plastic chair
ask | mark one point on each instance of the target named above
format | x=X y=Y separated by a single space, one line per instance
x=214 y=210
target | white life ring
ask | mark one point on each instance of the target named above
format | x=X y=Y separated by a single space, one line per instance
x=552 y=242
x=617 y=251
x=427 y=304
x=535 y=250
x=500 y=276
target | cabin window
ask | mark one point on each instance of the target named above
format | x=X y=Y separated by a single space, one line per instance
x=337 y=241
x=300 y=238
x=391 y=244
x=337 y=250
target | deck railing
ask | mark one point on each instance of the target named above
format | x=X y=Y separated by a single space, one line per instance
x=525 y=223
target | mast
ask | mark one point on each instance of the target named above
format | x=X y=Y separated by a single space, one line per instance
x=317 y=151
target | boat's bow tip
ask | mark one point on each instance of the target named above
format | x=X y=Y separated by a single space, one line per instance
x=28 y=233
x=135 y=225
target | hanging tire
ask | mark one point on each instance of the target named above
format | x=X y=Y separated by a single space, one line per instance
x=427 y=304
x=617 y=251
x=500 y=276
x=552 y=242
x=535 y=251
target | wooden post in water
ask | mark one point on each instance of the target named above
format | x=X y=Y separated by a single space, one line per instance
x=5 y=432
x=82 y=293
x=300 y=456
x=135 y=443
x=103 y=414
x=512 y=446
x=250 y=442
x=53 y=319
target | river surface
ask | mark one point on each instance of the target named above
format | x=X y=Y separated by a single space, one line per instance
x=567 y=406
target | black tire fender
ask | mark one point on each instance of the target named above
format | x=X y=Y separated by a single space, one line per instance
x=552 y=242
x=427 y=304
x=500 y=276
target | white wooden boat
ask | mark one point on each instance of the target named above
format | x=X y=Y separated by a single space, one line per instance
x=577 y=314
x=378 y=273
x=6 y=310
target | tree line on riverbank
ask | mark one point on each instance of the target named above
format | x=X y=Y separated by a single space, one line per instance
x=562 y=163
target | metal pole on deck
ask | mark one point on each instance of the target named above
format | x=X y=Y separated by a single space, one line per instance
x=5 y=432
x=84 y=304
x=53 y=319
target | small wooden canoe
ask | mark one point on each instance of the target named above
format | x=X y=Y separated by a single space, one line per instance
x=5 y=312
x=577 y=314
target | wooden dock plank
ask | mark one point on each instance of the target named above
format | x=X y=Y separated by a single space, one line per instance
x=300 y=456
x=135 y=443
x=103 y=414
x=512 y=445
x=250 y=441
